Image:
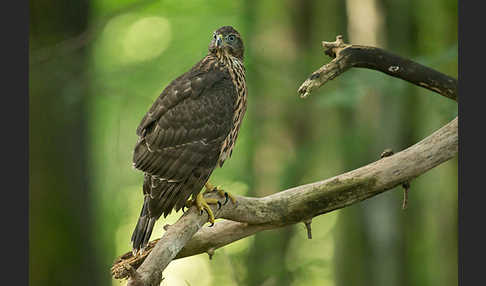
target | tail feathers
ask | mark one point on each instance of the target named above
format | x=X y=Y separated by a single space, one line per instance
x=143 y=230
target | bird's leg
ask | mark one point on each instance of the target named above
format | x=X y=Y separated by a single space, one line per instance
x=203 y=204
x=188 y=204
x=221 y=192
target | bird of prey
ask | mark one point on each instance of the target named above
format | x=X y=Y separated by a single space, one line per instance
x=190 y=129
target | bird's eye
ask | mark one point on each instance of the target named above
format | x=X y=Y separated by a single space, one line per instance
x=231 y=38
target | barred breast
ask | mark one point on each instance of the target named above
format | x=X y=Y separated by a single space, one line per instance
x=237 y=72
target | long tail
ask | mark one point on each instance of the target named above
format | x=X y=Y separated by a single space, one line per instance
x=143 y=230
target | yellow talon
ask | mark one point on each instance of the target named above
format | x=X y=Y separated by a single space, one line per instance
x=203 y=204
x=221 y=192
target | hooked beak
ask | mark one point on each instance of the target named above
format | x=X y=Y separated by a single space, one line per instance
x=219 y=40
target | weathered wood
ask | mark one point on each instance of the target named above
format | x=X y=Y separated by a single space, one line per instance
x=347 y=56
x=291 y=206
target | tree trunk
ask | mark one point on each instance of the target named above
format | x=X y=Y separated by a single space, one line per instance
x=62 y=242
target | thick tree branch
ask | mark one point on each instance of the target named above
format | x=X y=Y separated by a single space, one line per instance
x=296 y=204
x=347 y=56
x=300 y=204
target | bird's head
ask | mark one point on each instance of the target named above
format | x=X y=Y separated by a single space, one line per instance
x=227 y=40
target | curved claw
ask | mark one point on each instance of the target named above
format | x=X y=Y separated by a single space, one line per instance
x=219 y=205
x=209 y=216
x=203 y=205
x=226 y=198
x=183 y=207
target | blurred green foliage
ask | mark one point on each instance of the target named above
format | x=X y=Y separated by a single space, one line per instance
x=97 y=66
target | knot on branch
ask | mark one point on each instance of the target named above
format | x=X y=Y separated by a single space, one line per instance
x=332 y=49
x=386 y=153
x=210 y=252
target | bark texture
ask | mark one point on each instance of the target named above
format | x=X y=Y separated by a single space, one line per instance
x=347 y=56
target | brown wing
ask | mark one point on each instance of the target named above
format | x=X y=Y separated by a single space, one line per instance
x=181 y=137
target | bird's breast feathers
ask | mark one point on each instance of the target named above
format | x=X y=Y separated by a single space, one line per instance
x=238 y=77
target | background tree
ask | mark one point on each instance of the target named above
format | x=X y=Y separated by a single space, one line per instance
x=61 y=198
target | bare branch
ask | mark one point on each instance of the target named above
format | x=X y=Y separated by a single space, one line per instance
x=300 y=204
x=291 y=206
x=347 y=56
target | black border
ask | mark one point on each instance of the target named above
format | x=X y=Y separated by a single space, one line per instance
x=471 y=237
x=15 y=141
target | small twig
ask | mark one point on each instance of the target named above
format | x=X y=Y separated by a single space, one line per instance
x=405 y=185
x=307 y=224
